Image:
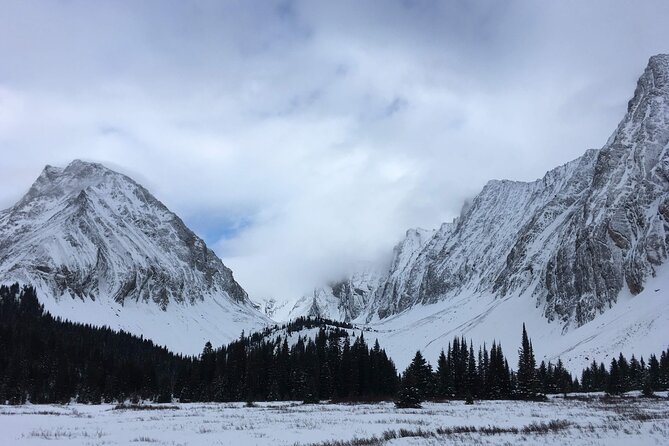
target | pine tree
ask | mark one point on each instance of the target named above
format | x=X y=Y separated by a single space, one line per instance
x=472 y=374
x=419 y=376
x=647 y=389
x=654 y=372
x=443 y=377
x=614 y=383
x=635 y=374
x=408 y=398
x=664 y=369
x=527 y=381
x=624 y=370
x=542 y=377
x=562 y=378
x=343 y=374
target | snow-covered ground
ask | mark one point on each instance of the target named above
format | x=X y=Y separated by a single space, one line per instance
x=182 y=327
x=587 y=421
x=634 y=325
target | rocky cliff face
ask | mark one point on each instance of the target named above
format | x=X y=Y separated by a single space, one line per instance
x=572 y=239
x=343 y=300
x=87 y=231
x=619 y=235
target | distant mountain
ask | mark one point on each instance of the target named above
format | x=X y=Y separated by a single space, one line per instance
x=569 y=245
x=343 y=300
x=101 y=249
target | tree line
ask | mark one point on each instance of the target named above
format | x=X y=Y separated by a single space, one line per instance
x=623 y=375
x=462 y=373
x=466 y=373
x=47 y=360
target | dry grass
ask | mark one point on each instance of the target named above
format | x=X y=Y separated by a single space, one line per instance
x=444 y=432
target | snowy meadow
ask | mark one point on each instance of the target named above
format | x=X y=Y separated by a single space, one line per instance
x=578 y=420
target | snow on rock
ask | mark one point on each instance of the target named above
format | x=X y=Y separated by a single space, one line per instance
x=344 y=300
x=573 y=239
x=575 y=253
x=101 y=249
x=635 y=325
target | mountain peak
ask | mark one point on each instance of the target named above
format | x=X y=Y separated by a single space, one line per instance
x=127 y=245
x=76 y=168
x=80 y=167
x=658 y=72
x=659 y=61
x=77 y=176
x=653 y=83
x=51 y=170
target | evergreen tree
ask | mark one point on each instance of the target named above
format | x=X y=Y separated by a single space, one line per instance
x=443 y=377
x=419 y=376
x=647 y=388
x=473 y=386
x=624 y=370
x=408 y=397
x=635 y=374
x=614 y=384
x=664 y=369
x=654 y=372
x=527 y=380
x=562 y=378
x=543 y=378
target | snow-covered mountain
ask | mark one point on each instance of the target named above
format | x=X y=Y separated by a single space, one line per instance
x=350 y=298
x=102 y=250
x=573 y=239
x=566 y=247
x=343 y=300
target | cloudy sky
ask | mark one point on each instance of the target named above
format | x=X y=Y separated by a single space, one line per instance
x=301 y=139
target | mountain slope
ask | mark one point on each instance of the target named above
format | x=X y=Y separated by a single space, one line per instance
x=561 y=251
x=636 y=324
x=101 y=249
x=344 y=300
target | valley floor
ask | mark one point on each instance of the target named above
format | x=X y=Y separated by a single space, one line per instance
x=581 y=420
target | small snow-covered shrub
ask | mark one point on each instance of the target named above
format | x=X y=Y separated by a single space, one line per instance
x=408 y=398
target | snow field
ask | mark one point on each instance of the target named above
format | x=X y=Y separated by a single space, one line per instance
x=583 y=420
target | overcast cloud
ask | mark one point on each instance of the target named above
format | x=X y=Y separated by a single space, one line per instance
x=303 y=138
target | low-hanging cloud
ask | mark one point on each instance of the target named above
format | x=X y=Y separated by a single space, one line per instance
x=303 y=138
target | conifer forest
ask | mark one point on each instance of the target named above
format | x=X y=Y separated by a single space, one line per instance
x=47 y=360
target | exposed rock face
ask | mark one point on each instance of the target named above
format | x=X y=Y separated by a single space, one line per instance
x=399 y=287
x=617 y=234
x=88 y=231
x=572 y=239
x=343 y=300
